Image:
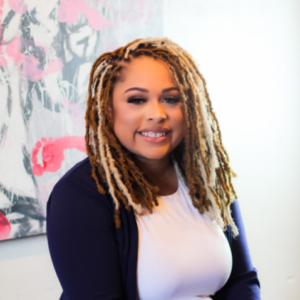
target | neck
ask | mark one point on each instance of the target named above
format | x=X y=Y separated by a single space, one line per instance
x=161 y=172
x=155 y=169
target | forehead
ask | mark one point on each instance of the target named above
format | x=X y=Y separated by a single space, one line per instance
x=146 y=70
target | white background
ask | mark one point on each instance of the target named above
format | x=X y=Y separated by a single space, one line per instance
x=248 y=52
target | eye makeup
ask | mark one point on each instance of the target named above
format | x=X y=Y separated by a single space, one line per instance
x=165 y=99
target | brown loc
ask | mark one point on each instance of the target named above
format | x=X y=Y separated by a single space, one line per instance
x=201 y=157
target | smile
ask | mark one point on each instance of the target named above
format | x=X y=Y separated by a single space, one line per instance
x=153 y=134
x=154 y=137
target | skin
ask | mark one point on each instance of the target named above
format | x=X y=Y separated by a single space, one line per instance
x=134 y=110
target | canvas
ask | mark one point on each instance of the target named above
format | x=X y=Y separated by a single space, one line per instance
x=47 y=49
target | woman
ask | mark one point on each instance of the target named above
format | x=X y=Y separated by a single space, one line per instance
x=143 y=216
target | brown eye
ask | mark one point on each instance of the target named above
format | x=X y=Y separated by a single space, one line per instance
x=136 y=100
x=171 y=99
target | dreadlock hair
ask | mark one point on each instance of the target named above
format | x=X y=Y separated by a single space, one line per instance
x=201 y=160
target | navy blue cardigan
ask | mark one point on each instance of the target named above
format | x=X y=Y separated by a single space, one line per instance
x=94 y=260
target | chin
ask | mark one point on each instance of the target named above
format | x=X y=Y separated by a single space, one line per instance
x=153 y=155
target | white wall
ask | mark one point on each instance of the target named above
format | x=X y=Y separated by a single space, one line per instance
x=248 y=52
x=26 y=271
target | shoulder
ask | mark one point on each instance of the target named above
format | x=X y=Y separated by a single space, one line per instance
x=81 y=237
x=76 y=195
x=79 y=174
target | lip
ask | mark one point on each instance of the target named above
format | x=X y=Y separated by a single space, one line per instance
x=155 y=140
x=155 y=130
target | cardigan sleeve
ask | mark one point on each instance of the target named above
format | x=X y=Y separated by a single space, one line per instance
x=82 y=241
x=243 y=282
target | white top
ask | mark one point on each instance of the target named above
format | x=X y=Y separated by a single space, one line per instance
x=182 y=254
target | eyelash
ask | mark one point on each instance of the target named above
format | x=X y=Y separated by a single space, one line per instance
x=137 y=100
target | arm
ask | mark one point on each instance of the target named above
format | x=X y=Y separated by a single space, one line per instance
x=243 y=282
x=82 y=242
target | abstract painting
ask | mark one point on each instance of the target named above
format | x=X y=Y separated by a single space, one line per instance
x=47 y=49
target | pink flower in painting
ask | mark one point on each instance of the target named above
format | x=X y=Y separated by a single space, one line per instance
x=32 y=71
x=28 y=65
x=53 y=152
x=69 y=10
x=18 y=6
x=13 y=50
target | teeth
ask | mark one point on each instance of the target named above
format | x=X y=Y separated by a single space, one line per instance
x=152 y=134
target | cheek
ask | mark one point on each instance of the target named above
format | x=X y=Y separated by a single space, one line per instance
x=178 y=123
x=126 y=123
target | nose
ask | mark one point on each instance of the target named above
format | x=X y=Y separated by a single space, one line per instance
x=156 y=111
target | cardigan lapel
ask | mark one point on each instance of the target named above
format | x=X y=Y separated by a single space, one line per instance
x=127 y=237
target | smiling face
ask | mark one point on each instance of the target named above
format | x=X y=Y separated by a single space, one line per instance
x=146 y=110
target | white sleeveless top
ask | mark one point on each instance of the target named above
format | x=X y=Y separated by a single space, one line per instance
x=182 y=255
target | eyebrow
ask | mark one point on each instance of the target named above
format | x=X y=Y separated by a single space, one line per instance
x=146 y=91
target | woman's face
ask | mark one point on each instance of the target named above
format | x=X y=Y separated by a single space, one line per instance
x=146 y=109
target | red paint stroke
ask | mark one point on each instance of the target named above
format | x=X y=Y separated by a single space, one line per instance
x=53 y=152
x=69 y=10
x=28 y=65
x=18 y=6
x=5 y=227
